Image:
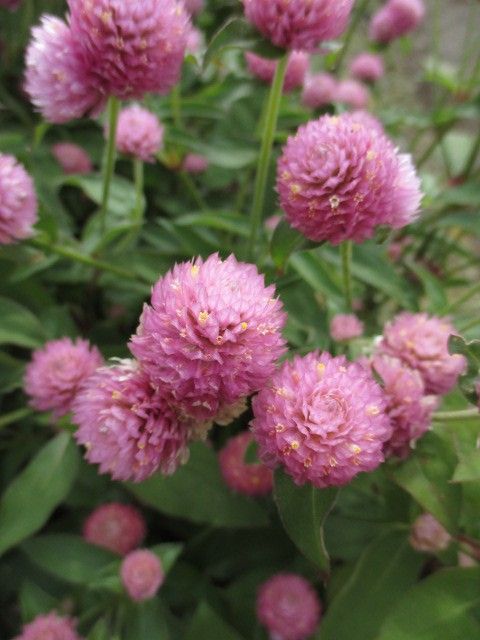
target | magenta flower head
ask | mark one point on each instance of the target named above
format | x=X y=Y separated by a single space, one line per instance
x=251 y=479
x=427 y=534
x=345 y=327
x=421 y=342
x=352 y=93
x=10 y=4
x=264 y=69
x=211 y=335
x=340 y=177
x=323 y=419
x=395 y=19
x=57 y=371
x=139 y=133
x=128 y=426
x=115 y=526
x=18 y=201
x=49 y=627
x=367 y=67
x=142 y=574
x=195 y=163
x=319 y=90
x=56 y=79
x=132 y=48
x=299 y=24
x=193 y=6
x=288 y=606
x=72 y=158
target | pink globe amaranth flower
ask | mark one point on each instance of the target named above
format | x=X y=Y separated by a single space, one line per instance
x=195 y=163
x=421 y=342
x=212 y=333
x=264 y=69
x=139 y=133
x=72 y=158
x=299 y=24
x=319 y=90
x=409 y=409
x=323 y=419
x=10 y=4
x=142 y=574
x=128 y=426
x=340 y=177
x=49 y=627
x=195 y=41
x=251 y=479
x=18 y=201
x=352 y=93
x=395 y=19
x=57 y=371
x=56 y=79
x=345 y=327
x=132 y=48
x=368 y=67
x=193 y=6
x=115 y=526
x=427 y=534
x=288 y=606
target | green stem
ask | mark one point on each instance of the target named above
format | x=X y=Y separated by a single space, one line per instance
x=346 y=254
x=453 y=416
x=472 y=158
x=189 y=184
x=15 y=416
x=113 y=111
x=263 y=166
x=349 y=35
x=176 y=105
x=466 y=296
x=439 y=135
x=139 y=181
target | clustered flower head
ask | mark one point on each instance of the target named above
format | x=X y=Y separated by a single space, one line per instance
x=323 y=419
x=352 y=93
x=18 y=201
x=49 y=627
x=56 y=373
x=211 y=335
x=319 y=90
x=128 y=425
x=288 y=606
x=195 y=163
x=193 y=6
x=115 y=526
x=264 y=69
x=72 y=158
x=395 y=19
x=340 y=177
x=142 y=574
x=421 y=342
x=368 y=67
x=345 y=327
x=299 y=24
x=195 y=41
x=139 y=133
x=251 y=479
x=427 y=534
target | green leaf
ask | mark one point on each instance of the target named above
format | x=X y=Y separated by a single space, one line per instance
x=236 y=33
x=432 y=286
x=19 y=326
x=168 y=553
x=208 y=624
x=439 y=607
x=386 y=568
x=471 y=351
x=317 y=274
x=226 y=155
x=100 y=631
x=33 y=495
x=197 y=492
x=284 y=242
x=303 y=511
x=34 y=601
x=468 y=469
x=146 y=621
x=231 y=222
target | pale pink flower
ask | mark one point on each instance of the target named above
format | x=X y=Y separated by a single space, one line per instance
x=57 y=371
x=18 y=201
x=251 y=479
x=427 y=534
x=345 y=327
x=115 y=526
x=466 y=561
x=319 y=90
x=323 y=419
x=139 y=133
x=72 y=158
x=368 y=67
x=340 y=177
x=194 y=6
x=195 y=41
x=264 y=69
x=212 y=333
x=195 y=163
x=288 y=607
x=49 y=626
x=142 y=574
x=352 y=93
x=396 y=18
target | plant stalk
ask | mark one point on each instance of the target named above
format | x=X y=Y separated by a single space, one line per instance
x=346 y=255
x=110 y=155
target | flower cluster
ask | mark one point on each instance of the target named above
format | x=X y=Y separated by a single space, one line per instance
x=427 y=534
x=367 y=67
x=319 y=90
x=49 y=627
x=115 y=526
x=18 y=201
x=264 y=69
x=251 y=479
x=142 y=574
x=139 y=133
x=72 y=158
x=345 y=327
x=396 y=18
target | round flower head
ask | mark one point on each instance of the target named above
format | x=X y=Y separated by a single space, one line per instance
x=421 y=342
x=193 y=6
x=49 y=627
x=340 y=177
x=345 y=327
x=131 y=47
x=395 y=19
x=319 y=90
x=115 y=526
x=427 y=534
x=72 y=158
x=18 y=201
x=323 y=419
x=251 y=479
x=56 y=79
x=139 y=133
x=195 y=163
x=409 y=409
x=212 y=334
x=299 y=24
x=288 y=606
x=264 y=69
x=195 y=41
x=127 y=425
x=57 y=371
x=142 y=574
x=367 y=67
x=352 y=93
x=10 y=4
